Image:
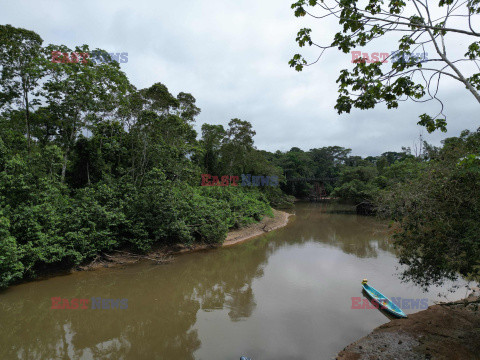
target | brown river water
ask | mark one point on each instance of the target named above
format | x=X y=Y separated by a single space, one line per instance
x=284 y=295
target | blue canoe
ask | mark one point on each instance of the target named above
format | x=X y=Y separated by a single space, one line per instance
x=384 y=302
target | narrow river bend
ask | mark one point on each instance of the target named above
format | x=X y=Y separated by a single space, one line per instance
x=284 y=295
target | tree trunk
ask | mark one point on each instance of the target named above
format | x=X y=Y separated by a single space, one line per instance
x=88 y=174
x=64 y=166
x=27 y=119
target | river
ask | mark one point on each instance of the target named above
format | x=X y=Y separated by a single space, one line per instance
x=284 y=295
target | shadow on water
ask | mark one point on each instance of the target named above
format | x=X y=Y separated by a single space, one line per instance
x=380 y=309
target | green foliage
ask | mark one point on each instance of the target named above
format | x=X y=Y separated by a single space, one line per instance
x=246 y=205
x=436 y=214
x=323 y=164
x=362 y=181
x=22 y=67
x=369 y=84
x=93 y=164
x=11 y=268
x=432 y=124
x=357 y=184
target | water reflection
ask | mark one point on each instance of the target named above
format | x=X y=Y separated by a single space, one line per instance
x=158 y=324
x=266 y=298
x=339 y=226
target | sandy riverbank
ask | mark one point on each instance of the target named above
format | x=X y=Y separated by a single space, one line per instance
x=164 y=254
x=444 y=331
x=267 y=224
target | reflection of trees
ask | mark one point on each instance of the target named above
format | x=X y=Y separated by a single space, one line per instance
x=241 y=304
x=163 y=300
x=332 y=224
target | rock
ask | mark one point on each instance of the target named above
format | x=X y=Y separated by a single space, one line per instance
x=475 y=292
x=441 y=332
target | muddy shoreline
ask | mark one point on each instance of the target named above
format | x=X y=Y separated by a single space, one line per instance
x=443 y=331
x=164 y=254
x=267 y=224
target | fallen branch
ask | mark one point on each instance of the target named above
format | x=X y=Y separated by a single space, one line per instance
x=164 y=259
x=114 y=259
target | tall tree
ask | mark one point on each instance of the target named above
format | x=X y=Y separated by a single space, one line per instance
x=162 y=134
x=237 y=145
x=187 y=109
x=21 y=68
x=80 y=94
x=212 y=138
x=418 y=25
x=436 y=210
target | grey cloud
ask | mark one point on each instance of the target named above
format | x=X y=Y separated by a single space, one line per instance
x=232 y=56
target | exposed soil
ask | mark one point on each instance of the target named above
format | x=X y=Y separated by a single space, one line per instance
x=165 y=254
x=444 y=331
x=267 y=224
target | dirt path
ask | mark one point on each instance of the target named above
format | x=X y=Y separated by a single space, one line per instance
x=445 y=331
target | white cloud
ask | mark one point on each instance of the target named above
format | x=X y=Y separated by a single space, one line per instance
x=232 y=56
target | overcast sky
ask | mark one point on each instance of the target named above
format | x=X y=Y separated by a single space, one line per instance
x=233 y=57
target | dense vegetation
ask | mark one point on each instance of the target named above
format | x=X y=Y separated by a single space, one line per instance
x=432 y=198
x=436 y=212
x=351 y=178
x=89 y=163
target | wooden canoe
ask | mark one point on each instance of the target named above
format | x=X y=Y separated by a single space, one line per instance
x=383 y=302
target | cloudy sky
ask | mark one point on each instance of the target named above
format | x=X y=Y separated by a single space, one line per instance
x=233 y=57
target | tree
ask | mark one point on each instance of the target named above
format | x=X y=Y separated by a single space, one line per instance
x=296 y=164
x=237 y=146
x=212 y=138
x=11 y=268
x=436 y=213
x=165 y=142
x=411 y=76
x=21 y=68
x=79 y=94
x=161 y=132
x=357 y=185
x=328 y=159
x=102 y=166
x=157 y=98
x=187 y=109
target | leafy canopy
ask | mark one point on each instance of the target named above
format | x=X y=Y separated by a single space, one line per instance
x=416 y=26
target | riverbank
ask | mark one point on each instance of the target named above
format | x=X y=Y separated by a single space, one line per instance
x=164 y=254
x=267 y=224
x=443 y=331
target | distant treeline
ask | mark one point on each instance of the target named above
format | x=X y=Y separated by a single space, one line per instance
x=432 y=198
x=332 y=167
x=90 y=164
